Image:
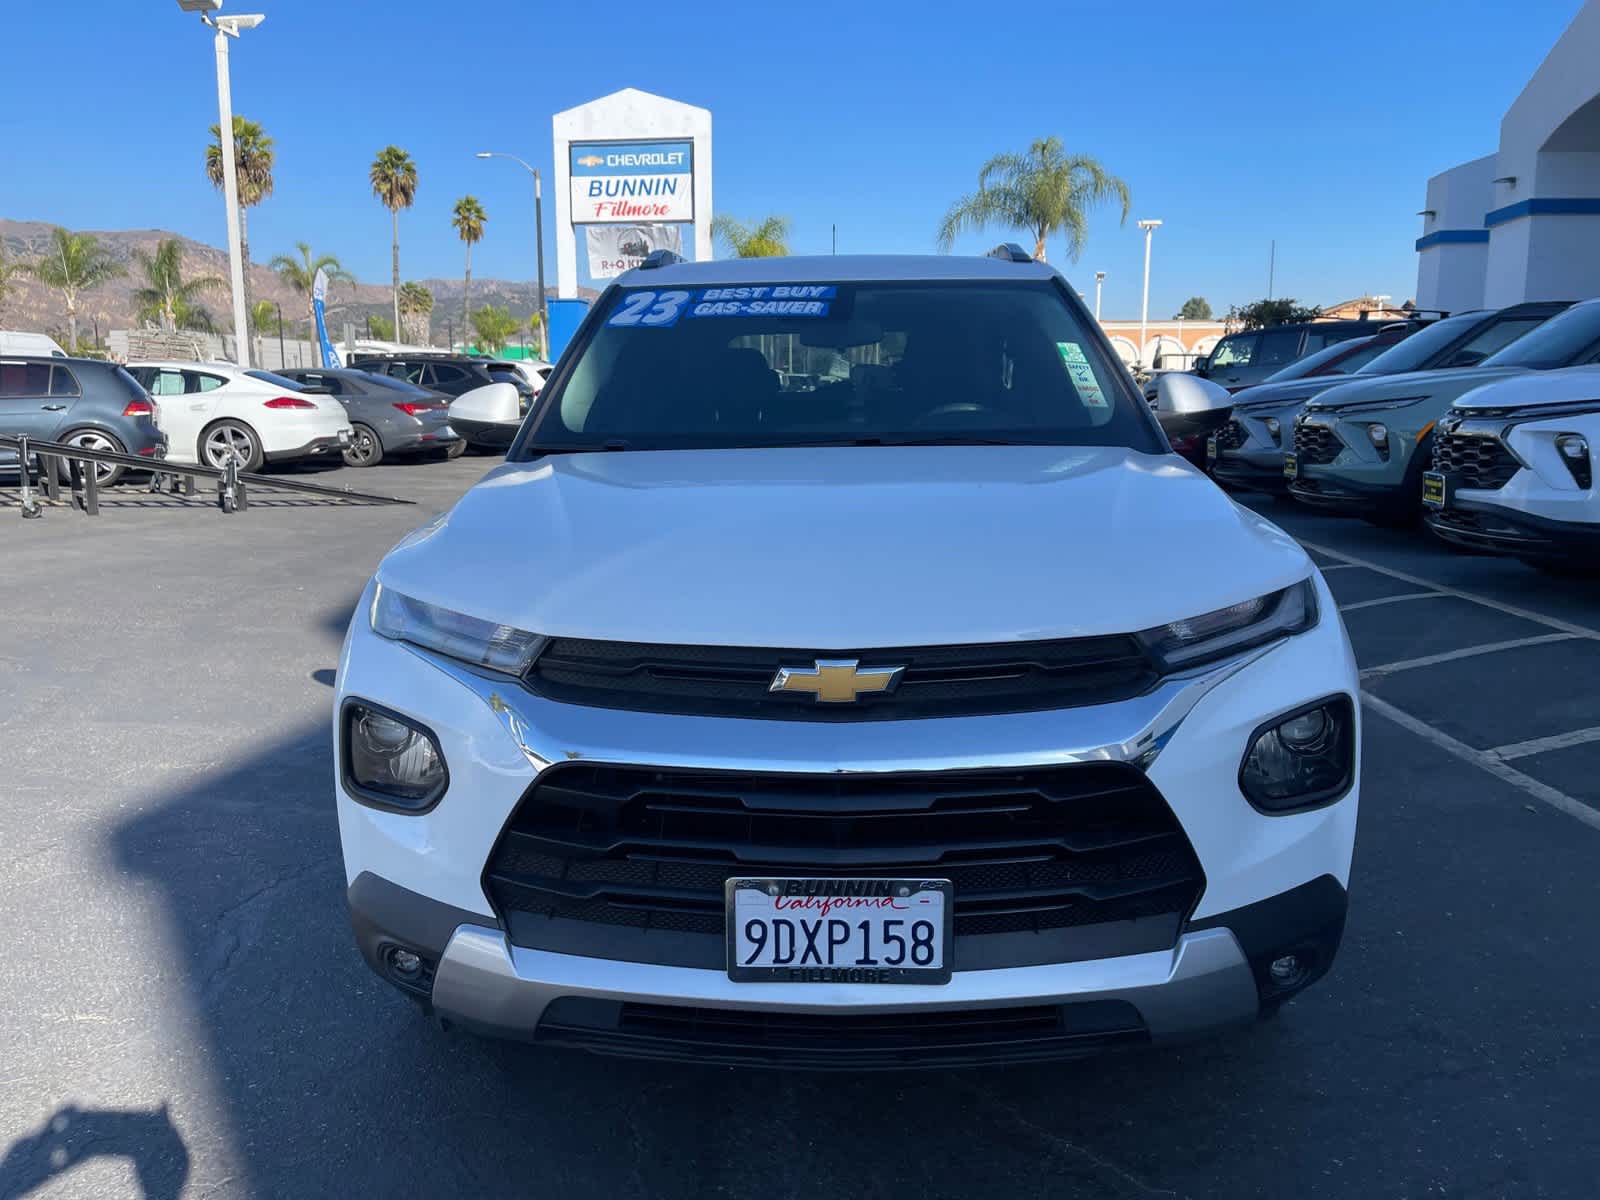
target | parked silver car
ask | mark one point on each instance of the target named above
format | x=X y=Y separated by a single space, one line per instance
x=387 y=416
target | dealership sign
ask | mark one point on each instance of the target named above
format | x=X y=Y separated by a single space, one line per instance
x=614 y=249
x=632 y=182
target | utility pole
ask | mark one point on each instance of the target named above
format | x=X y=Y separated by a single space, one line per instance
x=1149 y=228
x=282 y=358
x=1272 y=266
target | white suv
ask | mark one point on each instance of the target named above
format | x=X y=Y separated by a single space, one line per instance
x=935 y=713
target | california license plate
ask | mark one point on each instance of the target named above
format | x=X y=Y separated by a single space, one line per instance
x=1211 y=449
x=839 y=930
x=1435 y=489
x=1291 y=466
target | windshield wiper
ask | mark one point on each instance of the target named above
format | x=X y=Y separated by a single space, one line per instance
x=611 y=444
x=949 y=439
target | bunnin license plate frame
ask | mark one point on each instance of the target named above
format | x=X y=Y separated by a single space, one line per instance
x=1291 y=465
x=1212 y=449
x=1436 y=490
x=854 y=973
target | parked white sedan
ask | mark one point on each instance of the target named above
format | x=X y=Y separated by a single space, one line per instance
x=214 y=412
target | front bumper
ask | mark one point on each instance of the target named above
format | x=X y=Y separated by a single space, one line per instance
x=1188 y=735
x=1214 y=978
x=1501 y=530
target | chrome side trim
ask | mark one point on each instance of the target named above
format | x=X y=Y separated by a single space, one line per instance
x=1202 y=983
x=1132 y=731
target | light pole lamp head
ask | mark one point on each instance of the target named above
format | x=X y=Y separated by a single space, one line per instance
x=200 y=6
x=1099 y=276
x=232 y=25
x=1147 y=226
x=484 y=154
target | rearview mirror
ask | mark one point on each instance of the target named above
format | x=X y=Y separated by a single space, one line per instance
x=1187 y=405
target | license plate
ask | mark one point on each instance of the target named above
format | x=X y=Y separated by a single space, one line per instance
x=1291 y=466
x=1435 y=489
x=1211 y=448
x=839 y=930
x=344 y=437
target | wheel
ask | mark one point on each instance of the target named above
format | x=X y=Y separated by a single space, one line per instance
x=456 y=449
x=231 y=439
x=105 y=474
x=365 y=448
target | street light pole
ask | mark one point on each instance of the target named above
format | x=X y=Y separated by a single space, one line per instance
x=229 y=27
x=543 y=306
x=1099 y=279
x=1149 y=228
x=282 y=359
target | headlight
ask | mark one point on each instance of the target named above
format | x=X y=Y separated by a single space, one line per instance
x=1377 y=405
x=388 y=760
x=1226 y=631
x=1301 y=760
x=456 y=635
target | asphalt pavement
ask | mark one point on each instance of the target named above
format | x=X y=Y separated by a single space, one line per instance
x=183 y=1011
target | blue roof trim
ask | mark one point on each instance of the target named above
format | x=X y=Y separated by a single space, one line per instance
x=1446 y=237
x=1571 y=206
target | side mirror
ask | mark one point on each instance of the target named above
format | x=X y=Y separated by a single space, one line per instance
x=1187 y=405
x=1202 y=365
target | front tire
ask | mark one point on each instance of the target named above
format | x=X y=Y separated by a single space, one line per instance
x=105 y=474
x=456 y=448
x=231 y=439
x=366 y=450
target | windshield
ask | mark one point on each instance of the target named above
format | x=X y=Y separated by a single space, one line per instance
x=1559 y=342
x=837 y=364
x=1418 y=349
x=1312 y=364
x=276 y=380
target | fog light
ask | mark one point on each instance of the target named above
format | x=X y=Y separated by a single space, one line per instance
x=1574 y=451
x=408 y=964
x=390 y=761
x=1285 y=971
x=1301 y=760
x=1378 y=434
x=1275 y=429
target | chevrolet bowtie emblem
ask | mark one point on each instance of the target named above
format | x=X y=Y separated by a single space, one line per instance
x=836 y=680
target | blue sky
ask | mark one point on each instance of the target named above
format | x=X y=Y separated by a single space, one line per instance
x=1235 y=123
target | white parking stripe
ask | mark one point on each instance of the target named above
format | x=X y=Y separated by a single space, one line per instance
x=1582 y=631
x=1390 y=600
x=1556 y=741
x=1543 y=792
x=1429 y=660
x=1339 y=566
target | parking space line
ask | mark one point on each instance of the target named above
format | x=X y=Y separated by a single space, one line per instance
x=1556 y=741
x=1485 y=759
x=1391 y=600
x=1341 y=566
x=1582 y=631
x=1429 y=660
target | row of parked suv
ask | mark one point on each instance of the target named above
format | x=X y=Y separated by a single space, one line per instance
x=1479 y=422
x=213 y=413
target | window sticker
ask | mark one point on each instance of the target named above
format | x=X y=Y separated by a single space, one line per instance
x=766 y=300
x=1081 y=374
x=653 y=310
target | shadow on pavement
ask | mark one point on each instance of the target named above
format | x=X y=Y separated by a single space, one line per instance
x=72 y=1136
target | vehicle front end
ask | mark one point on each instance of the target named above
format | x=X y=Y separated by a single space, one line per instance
x=1360 y=449
x=781 y=743
x=1513 y=469
x=1248 y=452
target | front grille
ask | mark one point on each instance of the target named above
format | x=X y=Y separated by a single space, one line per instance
x=1048 y=864
x=1316 y=443
x=1476 y=461
x=937 y=681
x=1231 y=436
x=907 y=1038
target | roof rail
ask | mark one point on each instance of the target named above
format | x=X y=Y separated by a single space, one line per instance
x=1010 y=252
x=660 y=258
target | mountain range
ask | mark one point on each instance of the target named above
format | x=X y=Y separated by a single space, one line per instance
x=30 y=305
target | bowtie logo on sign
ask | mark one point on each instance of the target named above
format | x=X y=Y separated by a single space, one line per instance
x=618 y=182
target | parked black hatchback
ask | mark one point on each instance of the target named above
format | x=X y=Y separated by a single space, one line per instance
x=1242 y=359
x=452 y=374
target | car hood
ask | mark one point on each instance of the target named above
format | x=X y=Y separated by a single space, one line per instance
x=1267 y=397
x=1565 y=385
x=1445 y=385
x=844 y=546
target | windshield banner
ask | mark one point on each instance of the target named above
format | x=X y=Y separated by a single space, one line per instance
x=614 y=249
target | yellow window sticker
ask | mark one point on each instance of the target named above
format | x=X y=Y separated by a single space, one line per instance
x=1081 y=374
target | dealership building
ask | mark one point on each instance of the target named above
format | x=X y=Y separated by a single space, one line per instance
x=1523 y=223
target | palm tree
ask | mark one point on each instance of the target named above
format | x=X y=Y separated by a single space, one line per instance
x=394 y=182
x=469 y=219
x=167 y=297
x=75 y=262
x=416 y=307
x=252 y=158
x=1044 y=191
x=263 y=320
x=494 y=327
x=301 y=273
x=765 y=239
